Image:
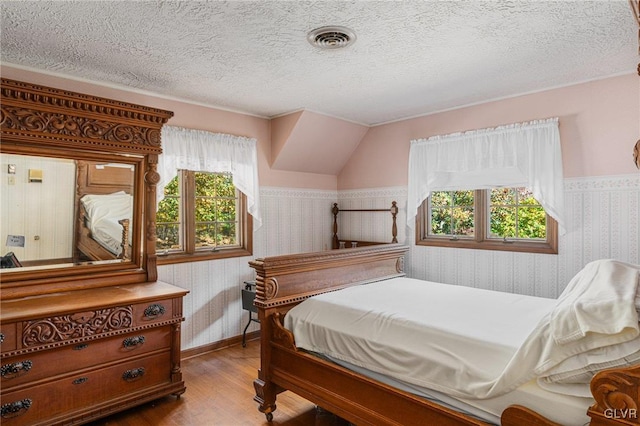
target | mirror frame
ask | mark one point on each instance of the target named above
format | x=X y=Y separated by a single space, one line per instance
x=44 y=121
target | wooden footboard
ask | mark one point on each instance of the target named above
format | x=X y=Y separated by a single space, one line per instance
x=87 y=248
x=284 y=281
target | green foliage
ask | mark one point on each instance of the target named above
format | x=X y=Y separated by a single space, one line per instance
x=514 y=213
x=454 y=214
x=214 y=208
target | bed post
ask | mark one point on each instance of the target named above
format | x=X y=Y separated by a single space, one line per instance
x=394 y=227
x=284 y=281
x=334 y=241
x=265 y=389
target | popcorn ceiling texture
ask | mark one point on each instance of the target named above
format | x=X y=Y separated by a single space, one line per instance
x=410 y=57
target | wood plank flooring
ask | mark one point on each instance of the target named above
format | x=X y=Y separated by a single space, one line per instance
x=220 y=392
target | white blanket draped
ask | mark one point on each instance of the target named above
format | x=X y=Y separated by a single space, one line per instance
x=467 y=342
x=103 y=213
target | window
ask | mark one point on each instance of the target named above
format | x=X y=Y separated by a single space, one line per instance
x=509 y=219
x=202 y=216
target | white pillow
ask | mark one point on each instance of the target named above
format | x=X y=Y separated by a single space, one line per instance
x=118 y=206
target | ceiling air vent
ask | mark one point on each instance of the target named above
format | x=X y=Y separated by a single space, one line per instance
x=331 y=37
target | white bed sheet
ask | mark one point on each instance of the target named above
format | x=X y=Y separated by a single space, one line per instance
x=103 y=213
x=459 y=328
x=403 y=327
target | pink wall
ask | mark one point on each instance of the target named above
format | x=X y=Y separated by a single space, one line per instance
x=195 y=117
x=312 y=142
x=599 y=124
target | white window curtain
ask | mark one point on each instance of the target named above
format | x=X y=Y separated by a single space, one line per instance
x=523 y=154
x=202 y=151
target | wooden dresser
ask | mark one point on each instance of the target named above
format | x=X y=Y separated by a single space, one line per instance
x=84 y=333
x=77 y=356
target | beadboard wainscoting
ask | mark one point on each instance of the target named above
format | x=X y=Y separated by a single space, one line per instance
x=294 y=220
x=603 y=218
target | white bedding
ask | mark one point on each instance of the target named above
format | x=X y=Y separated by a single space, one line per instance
x=103 y=213
x=403 y=327
x=474 y=344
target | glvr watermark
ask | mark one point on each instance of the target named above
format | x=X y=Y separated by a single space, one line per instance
x=615 y=413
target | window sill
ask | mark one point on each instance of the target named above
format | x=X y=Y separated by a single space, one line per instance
x=169 y=259
x=514 y=246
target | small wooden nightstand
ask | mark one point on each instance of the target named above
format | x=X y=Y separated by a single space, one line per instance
x=248 y=294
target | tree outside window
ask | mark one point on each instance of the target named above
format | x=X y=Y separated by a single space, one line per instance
x=202 y=216
x=514 y=213
x=508 y=219
x=452 y=214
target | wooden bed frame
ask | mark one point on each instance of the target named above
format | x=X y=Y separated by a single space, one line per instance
x=284 y=281
x=99 y=180
x=349 y=243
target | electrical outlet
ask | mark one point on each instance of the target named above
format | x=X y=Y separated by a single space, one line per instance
x=12 y=180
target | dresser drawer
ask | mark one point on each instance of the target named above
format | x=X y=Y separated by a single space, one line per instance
x=8 y=337
x=30 y=405
x=156 y=311
x=30 y=367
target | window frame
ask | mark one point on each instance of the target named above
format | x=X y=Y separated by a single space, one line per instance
x=190 y=253
x=481 y=240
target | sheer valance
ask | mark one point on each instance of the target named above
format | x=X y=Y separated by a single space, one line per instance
x=524 y=154
x=201 y=151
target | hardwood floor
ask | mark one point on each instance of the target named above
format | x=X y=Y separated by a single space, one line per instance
x=220 y=392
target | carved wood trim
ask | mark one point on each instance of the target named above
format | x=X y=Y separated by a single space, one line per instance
x=289 y=279
x=57 y=344
x=82 y=324
x=40 y=120
x=151 y=179
x=617 y=395
x=280 y=334
x=33 y=114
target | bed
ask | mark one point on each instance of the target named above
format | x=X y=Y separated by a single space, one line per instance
x=104 y=206
x=343 y=242
x=366 y=395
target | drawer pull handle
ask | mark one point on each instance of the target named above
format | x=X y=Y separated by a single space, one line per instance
x=80 y=347
x=1 y=337
x=154 y=311
x=15 y=409
x=10 y=371
x=133 y=342
x=80 y=380
x=135 y=374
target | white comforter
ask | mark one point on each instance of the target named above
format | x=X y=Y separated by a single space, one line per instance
x=467 y=342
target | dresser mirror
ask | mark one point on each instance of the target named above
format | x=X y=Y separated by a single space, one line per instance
x=78 y=190
x=66 y=212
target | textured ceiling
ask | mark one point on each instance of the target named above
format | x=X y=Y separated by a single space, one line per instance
x=410 y=57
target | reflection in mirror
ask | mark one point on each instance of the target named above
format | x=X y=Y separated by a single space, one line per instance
x=105 y=209
x=58 y=212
